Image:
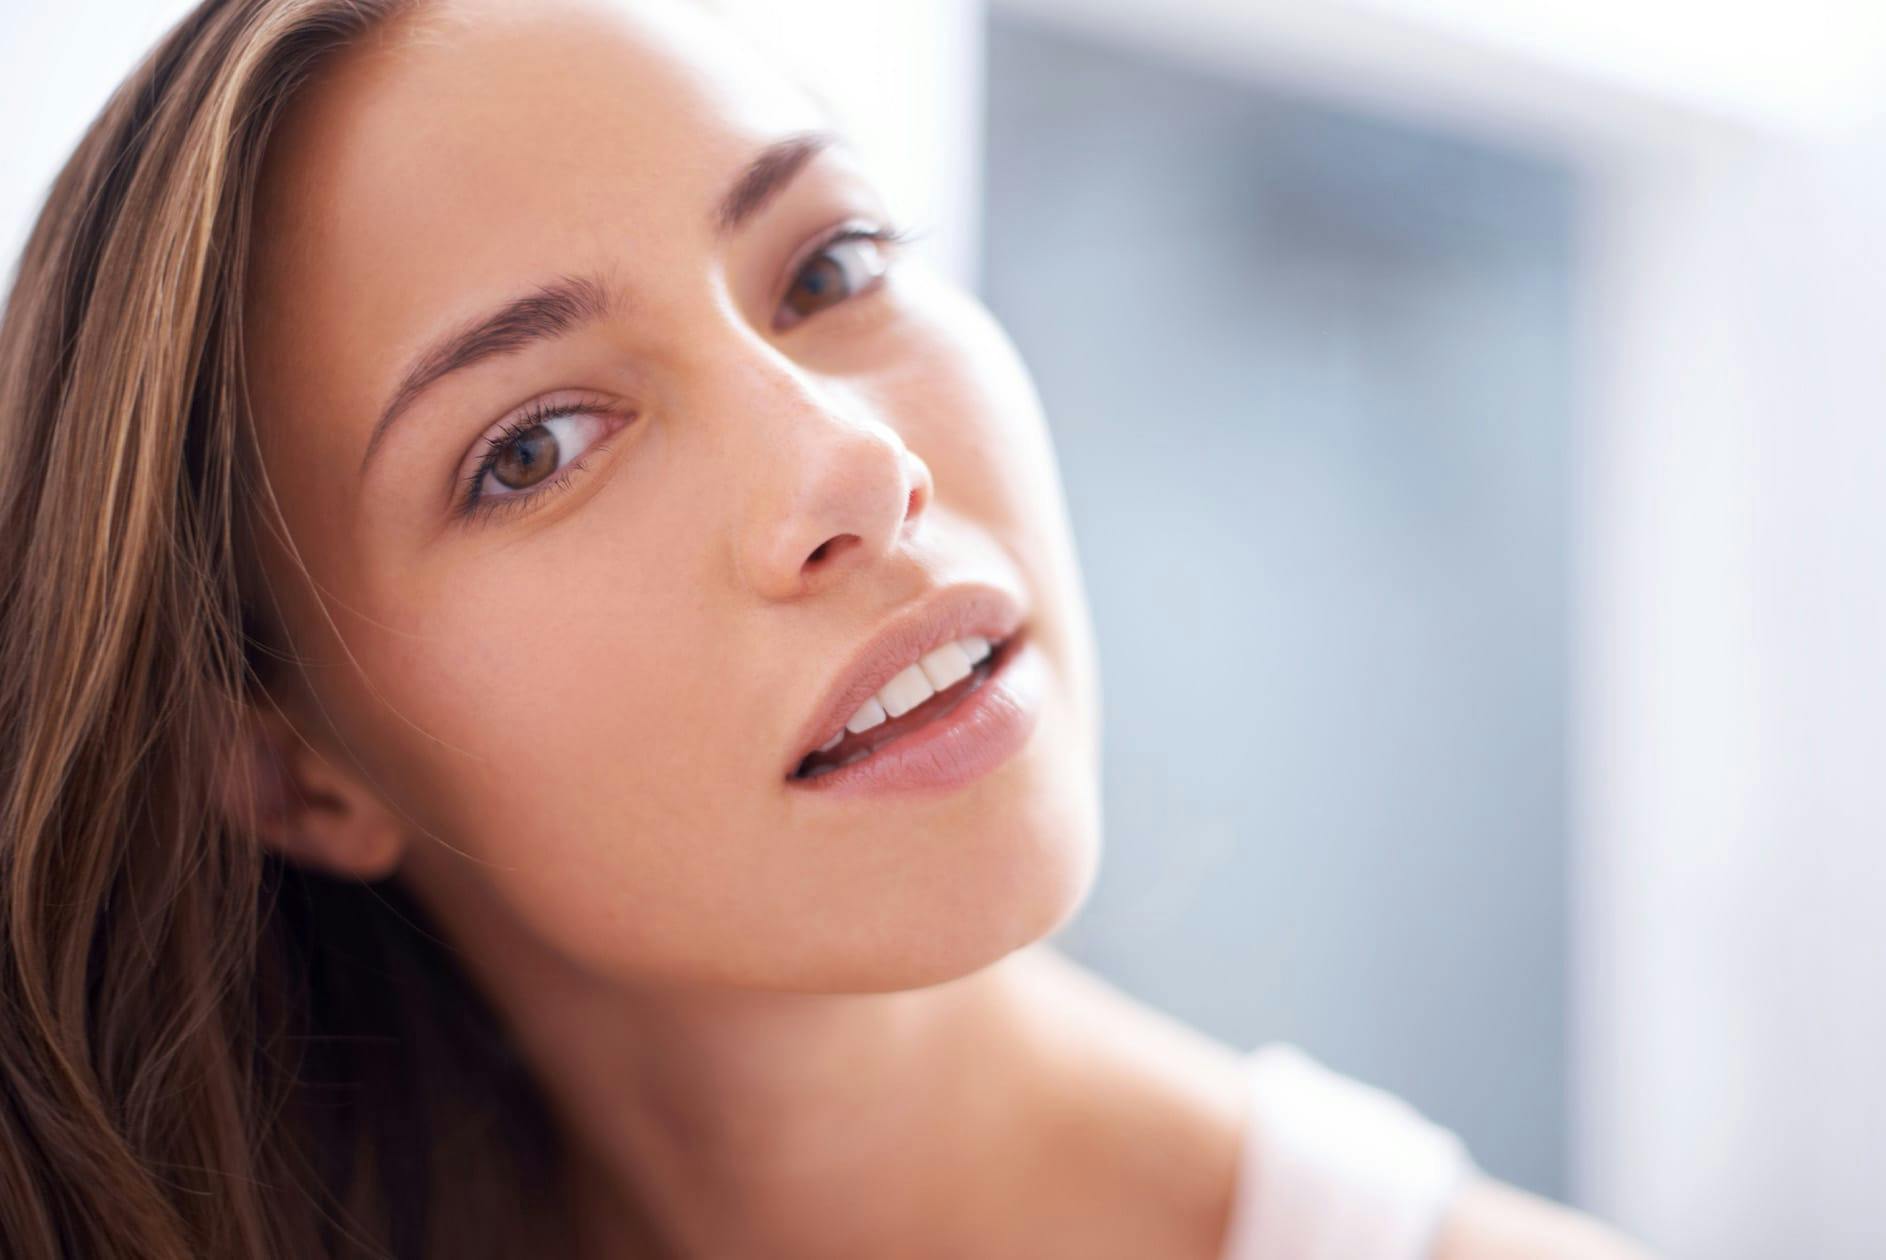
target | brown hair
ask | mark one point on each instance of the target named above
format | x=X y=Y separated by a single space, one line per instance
x=205 y=1054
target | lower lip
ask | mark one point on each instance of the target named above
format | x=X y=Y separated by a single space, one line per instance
x=986 y=728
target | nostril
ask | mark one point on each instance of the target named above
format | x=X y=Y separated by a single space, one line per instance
x=832 y=545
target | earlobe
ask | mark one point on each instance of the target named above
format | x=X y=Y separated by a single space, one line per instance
x=295 y=801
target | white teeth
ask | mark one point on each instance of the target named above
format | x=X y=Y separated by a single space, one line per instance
x=869 y=714
x=905 y=692
x=833 y=742
x=946 y=666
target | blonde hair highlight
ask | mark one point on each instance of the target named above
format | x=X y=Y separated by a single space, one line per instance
x=204 y=1054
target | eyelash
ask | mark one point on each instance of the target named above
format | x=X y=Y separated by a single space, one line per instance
x=484 y=508
x=882 y=235
x=474 y=505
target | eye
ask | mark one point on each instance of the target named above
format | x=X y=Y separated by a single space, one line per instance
x=845 y=266
x=534 y=451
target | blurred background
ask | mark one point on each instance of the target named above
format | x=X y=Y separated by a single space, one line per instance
x=1468 y=415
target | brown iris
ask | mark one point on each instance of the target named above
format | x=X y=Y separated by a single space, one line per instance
x=824 y=280
x=818 y=286
x=527 y=458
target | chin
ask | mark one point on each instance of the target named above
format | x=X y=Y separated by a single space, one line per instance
x=1019 y=879
x=1008 y=885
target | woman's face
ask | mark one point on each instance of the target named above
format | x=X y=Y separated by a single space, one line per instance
x=582 y=597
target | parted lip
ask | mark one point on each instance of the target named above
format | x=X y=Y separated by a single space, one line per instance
x=944 y=614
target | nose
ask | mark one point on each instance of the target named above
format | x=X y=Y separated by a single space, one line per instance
x=832 y=485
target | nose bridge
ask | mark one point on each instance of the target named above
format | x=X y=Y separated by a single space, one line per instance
x=828 y=482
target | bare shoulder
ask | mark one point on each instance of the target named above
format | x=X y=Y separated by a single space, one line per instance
x=1491 y=1220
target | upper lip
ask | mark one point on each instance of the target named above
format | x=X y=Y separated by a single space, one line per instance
x=943 y=616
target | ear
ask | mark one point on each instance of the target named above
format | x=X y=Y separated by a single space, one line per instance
x=311 y=811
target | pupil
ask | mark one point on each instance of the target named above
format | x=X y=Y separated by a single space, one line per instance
x=822 y=276
x=524 y=462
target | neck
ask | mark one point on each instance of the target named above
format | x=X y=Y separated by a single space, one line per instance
x=1006 y=1112
x=770 y=1124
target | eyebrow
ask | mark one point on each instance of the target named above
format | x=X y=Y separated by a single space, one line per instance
x=555 y=309
x=766 y=174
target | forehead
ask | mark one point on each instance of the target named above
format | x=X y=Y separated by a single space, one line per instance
x=484 y=128
x=470 y=145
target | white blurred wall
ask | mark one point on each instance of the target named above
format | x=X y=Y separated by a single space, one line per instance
x=58 y=63
x=1729 y=882
x=1733 y=891
x=1803 y=64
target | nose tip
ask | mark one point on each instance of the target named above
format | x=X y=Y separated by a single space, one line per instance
x=829 y=552
x=847 y=508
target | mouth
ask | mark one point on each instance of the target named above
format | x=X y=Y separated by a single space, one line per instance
x=925 y=693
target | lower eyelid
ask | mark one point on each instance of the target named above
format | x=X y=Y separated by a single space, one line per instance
x=487 y=501
x=493 y=505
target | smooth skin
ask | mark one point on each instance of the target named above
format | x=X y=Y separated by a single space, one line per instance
x=773 y=1024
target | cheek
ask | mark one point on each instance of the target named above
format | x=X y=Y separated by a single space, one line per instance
x=963 y=400
x=579 y=819
x=564 y=668
x=977 y=420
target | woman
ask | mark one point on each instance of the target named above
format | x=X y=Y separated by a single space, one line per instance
x=550 y=704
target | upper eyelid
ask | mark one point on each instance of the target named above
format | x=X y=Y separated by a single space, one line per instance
x=491 y=443
x=833 y=235
x=887 y=235
x=486 y=508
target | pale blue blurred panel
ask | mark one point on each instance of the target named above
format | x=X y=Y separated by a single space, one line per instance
x=1311 y=381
